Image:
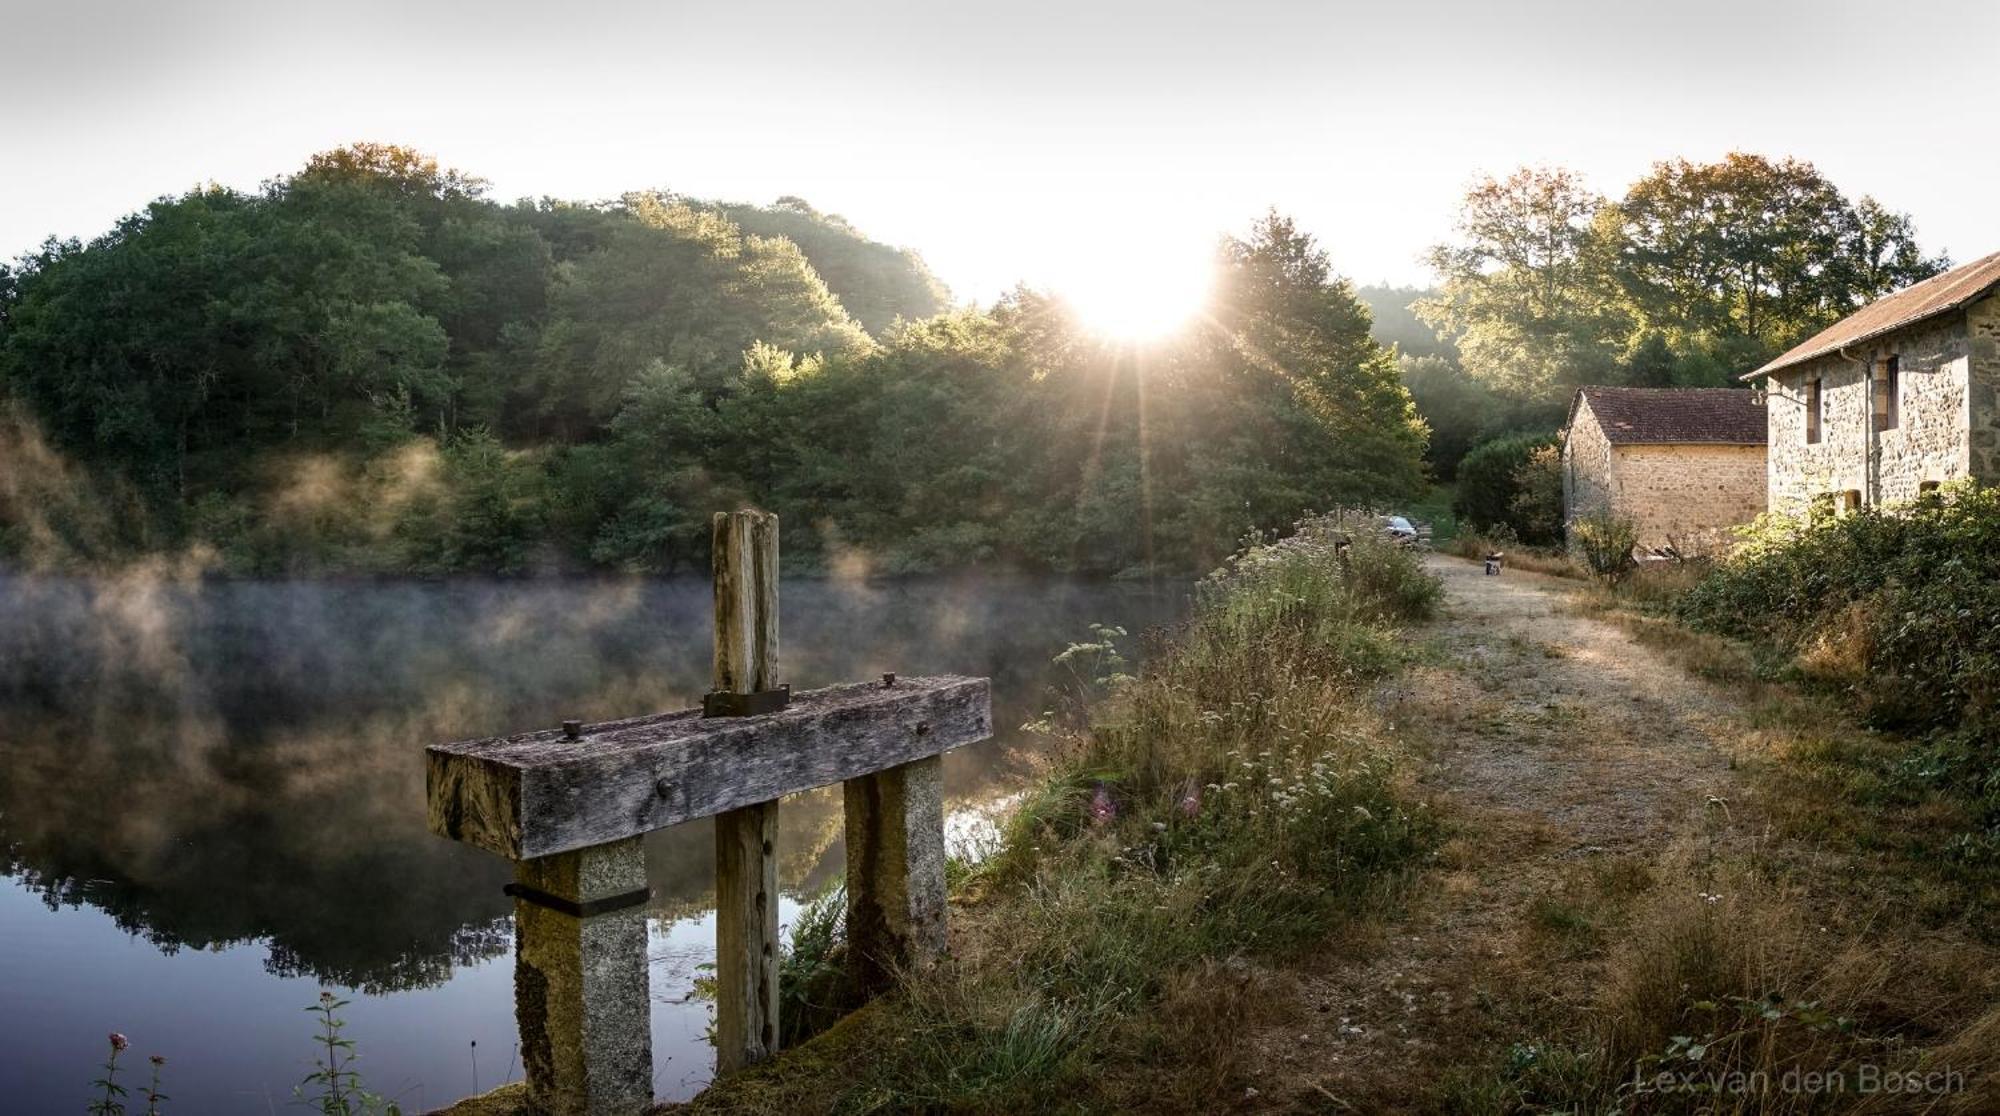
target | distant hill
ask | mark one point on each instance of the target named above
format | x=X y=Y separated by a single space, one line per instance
x=1396 y=325
x=876 y=283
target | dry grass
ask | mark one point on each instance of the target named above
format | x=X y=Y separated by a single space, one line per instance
x=1554 y=562
x=1234 y=807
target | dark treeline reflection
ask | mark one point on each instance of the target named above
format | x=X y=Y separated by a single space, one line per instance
x=214 y=763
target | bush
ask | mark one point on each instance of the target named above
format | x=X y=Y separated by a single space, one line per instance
x=1237 y=798
x=1536 y=510
x=1913 y=594
x=1488 y=481
x=1899 y=610
x=1603 y=543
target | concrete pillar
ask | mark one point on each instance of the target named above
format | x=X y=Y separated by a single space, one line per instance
x=895 y=871
x=580 y=990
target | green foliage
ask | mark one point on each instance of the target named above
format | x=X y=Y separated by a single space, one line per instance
x=111 y=1095
x=1910 y=594
x=1899 y=609
x=877 y=283
x=1235 y=799
x=1603 y=543
x=368 y=366
x=812 y=975
x=336 y=1085
x=1489 y=480
x=1699 y=273
x=1536 y=511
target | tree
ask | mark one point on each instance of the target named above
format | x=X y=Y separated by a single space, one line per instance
x=1489 y=480
x=1524 y=291
x=1753 y=255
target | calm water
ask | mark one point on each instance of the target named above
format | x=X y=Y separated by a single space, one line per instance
x=212 y=803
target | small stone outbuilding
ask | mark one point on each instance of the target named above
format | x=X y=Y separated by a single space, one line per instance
x=1684 y=465
x=1894 y=399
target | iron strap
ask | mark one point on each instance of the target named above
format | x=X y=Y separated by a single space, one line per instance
x=574 y=909
x=723 y=703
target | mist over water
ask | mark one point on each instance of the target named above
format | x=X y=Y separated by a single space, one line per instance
x=213 y=801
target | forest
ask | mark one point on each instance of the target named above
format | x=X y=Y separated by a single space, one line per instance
x=370 y=366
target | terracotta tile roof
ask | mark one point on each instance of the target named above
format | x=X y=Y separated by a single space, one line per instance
x=1912 y=304
x=1642 y=416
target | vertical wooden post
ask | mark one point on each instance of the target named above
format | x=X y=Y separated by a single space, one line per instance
x=746 y=862
x=895 y=872
x=580 y=993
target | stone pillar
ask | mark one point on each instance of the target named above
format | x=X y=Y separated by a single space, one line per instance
x=895 y=871
x=580 y=989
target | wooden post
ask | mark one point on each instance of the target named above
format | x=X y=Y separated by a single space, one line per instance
x=580 y=992
x=746 y=862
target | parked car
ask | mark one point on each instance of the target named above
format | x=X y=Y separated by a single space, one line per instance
x=1399 y=530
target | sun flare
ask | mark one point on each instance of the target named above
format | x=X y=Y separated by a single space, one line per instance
x=1138 y=295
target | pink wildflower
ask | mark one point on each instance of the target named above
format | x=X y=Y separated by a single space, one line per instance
x=119 y=1042
x=1102 y=809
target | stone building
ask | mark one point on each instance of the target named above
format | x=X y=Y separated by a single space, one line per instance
x=1892 y=400
x=1684 y=465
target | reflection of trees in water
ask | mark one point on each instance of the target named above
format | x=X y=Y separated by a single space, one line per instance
x=229 y=763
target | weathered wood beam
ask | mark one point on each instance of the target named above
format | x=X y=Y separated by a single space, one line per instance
x=546 y=792
x=745 y=559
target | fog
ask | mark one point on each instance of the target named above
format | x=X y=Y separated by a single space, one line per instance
x=217 y=762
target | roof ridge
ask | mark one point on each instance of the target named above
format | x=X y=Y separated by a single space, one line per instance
x=1899 y=309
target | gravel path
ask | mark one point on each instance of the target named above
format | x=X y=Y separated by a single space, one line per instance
x=1565 y=752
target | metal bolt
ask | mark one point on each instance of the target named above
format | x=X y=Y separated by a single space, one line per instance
x=923 y=728
x=664 y=787
x=573 y=729
x=888 y=679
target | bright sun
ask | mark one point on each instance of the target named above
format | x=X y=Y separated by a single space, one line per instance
x=1137 y=293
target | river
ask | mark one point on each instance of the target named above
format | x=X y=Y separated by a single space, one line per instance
x=212 y=805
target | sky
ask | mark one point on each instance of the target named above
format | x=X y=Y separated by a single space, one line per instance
x=1055 y=142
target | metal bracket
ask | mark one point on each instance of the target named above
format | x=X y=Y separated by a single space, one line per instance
x=573 y=908
x=723 y=703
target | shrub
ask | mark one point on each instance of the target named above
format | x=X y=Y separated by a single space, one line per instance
x=1488 y=484
x=1603 y=543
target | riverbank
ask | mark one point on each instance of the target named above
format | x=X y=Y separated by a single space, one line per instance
x=1238 y=805
x=1636 y=877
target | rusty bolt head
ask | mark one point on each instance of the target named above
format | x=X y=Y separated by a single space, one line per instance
x=573 y=729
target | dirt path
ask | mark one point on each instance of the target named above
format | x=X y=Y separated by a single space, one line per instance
x=1570 y=758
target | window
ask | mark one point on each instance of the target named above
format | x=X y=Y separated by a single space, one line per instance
x=1887 y=374
x=1850 y=501
x=1813 y=404
x=1926 y=486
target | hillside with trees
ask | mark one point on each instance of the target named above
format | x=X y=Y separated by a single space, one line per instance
x=369 y=366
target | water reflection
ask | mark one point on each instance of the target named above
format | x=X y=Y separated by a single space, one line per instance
x=214 y=765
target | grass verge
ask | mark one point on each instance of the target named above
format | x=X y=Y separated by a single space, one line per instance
x=1236 y=803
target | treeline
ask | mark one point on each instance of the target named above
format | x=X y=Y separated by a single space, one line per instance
x=370 y=366
x=1699 y=273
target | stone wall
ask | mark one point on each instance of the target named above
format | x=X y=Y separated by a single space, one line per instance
x=1688 y=495
x=1983 y=388
x=1587 y=484
x=1927 y=444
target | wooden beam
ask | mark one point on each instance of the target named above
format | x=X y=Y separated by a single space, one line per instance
x=746 y=838
x=544 y=792
x=745 y=560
